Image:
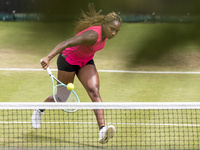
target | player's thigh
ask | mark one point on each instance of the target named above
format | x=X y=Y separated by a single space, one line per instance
x=88 y=76
x=66 y=77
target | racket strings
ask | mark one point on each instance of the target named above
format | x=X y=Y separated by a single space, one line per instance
x=62 y=93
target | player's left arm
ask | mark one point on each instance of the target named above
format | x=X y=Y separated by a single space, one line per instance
x=89 y=37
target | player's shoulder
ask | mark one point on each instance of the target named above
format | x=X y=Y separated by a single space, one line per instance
x=90 y=35
x=92 y=31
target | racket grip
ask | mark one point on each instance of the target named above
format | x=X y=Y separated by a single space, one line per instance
x=49 y=71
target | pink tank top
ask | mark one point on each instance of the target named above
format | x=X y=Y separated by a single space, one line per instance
x=81 y=54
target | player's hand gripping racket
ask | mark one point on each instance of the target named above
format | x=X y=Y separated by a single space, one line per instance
x=61 y=92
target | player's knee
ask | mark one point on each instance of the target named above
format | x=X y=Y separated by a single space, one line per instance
x=94 y=92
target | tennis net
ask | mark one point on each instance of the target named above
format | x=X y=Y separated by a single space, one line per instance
x=138 y=126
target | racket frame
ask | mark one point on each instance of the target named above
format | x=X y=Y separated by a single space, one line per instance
x=62 y=84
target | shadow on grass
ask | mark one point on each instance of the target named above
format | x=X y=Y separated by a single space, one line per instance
x=33 y=139
x=165 y=40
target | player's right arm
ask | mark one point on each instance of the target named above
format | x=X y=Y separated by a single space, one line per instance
x=89 y=37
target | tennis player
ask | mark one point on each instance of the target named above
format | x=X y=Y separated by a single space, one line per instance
x=76 y=58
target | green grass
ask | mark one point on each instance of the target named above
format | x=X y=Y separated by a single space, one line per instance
x=23 y=44
x=85 y=134
x=33 y=86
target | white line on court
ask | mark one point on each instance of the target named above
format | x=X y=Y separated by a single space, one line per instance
x=143 y=124
x=110 y=71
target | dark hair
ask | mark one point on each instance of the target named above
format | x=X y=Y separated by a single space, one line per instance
x=86 y=21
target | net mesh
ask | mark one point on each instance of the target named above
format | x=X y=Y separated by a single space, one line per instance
x=146 y=128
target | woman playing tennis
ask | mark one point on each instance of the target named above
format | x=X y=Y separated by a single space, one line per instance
x=76 y=58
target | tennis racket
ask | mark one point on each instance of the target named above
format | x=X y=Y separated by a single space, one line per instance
x=61 y=93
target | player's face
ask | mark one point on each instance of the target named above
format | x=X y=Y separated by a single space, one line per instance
x=111 y=29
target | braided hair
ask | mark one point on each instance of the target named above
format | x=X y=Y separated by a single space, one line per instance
x=85 y=21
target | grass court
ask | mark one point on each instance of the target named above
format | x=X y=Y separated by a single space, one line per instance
x=23 y=44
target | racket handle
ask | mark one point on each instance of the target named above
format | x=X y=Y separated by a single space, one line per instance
x=48 y=69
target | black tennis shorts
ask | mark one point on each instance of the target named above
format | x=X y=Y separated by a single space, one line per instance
x=63 y=65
